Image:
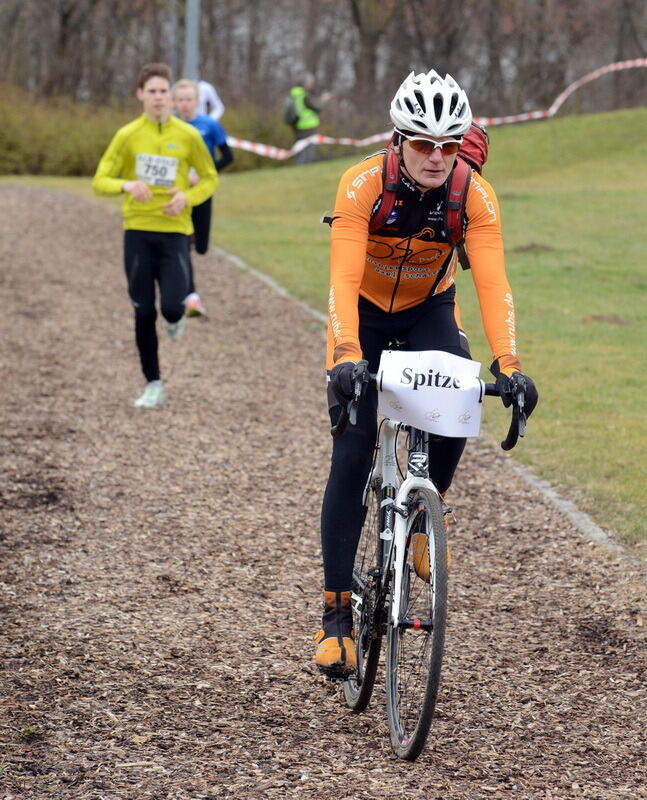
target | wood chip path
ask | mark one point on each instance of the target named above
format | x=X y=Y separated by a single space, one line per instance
x=161 y=569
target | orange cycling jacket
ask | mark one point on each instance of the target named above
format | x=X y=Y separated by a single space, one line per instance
x=409 y=258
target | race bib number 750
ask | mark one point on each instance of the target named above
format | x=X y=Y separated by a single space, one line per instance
x=156 y=170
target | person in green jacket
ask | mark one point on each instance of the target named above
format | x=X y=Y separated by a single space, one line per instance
x=302 y=113
x=148 y=161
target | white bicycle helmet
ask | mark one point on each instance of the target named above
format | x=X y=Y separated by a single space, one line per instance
x=429 y=105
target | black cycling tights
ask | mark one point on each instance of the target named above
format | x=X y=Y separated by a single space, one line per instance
x=149 y=257
x=428 y=326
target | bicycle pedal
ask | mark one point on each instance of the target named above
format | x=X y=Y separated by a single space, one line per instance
x=336 y=674
x=449 y=518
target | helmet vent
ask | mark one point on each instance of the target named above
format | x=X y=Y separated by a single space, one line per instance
x=438 y=106
x=421 y=101
x=453 y=103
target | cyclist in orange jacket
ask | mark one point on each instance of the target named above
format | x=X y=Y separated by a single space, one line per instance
x=398 y=283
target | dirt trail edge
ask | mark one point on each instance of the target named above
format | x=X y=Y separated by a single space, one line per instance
x=161 y=569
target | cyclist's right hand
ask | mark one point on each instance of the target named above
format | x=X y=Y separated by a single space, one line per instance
x=342 y=381
x=348 y=382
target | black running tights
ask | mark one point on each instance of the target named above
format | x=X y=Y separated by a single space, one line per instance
x=149 y=258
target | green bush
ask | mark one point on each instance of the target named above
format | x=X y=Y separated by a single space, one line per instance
x=57 y=137
x=61 y=137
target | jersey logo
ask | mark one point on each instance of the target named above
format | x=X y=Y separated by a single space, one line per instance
x=485 y=197
x=359 y=181
x=408 y=252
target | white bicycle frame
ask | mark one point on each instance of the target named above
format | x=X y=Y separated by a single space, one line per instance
x=386 y=467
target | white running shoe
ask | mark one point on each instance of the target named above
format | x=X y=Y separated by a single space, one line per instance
x=194 y=306
x=153 y=395
x=175 y=329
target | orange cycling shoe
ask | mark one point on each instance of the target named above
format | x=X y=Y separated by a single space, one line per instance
x=335 y=655
x=420 y=548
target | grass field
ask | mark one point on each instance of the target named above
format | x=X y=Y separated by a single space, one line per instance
x=574 y=203
x=573 y=195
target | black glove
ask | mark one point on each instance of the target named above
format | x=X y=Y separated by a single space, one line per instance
x=508 y=387
x=341 y=381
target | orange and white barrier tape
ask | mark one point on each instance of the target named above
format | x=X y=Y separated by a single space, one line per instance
x=561 y=98
x=282 y=154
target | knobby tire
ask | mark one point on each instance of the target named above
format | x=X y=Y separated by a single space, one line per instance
x=358 y=688
x=414 y=656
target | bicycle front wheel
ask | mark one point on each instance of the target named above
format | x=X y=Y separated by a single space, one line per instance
x=415 y=644
x=358 y=687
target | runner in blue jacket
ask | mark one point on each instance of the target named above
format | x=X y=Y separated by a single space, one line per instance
x=186 y=100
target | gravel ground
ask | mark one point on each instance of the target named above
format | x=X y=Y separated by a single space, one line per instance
x=161 y=569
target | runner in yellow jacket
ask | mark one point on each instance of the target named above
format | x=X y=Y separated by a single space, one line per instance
x=148 y=161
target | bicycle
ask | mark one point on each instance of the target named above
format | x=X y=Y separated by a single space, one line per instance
x=399 y=584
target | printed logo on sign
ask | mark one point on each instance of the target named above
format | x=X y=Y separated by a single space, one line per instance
x=433 y=416
x=156 y=170
x=464 y=418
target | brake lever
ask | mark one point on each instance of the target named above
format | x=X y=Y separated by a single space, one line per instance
x=521 y=405
x=342 y=422
x=354 y=403
x=518 y=422
x=361 y=378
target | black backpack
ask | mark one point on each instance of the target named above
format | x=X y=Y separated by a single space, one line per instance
x=290 y=116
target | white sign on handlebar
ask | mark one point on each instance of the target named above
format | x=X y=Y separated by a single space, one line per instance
x=431 y=390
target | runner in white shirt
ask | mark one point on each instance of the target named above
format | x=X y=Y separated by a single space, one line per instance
x=210 y=102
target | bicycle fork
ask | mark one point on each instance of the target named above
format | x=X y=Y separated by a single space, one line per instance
x=410 y=485
x=395 y=508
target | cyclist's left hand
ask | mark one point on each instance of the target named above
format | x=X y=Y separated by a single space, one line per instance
x=508 y=387
x=176 y=204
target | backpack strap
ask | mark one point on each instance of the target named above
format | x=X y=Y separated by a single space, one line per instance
x=455 y=220
x=390 y=185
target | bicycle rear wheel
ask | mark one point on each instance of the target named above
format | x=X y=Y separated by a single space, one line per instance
x=415 y=646
x=359 y=686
